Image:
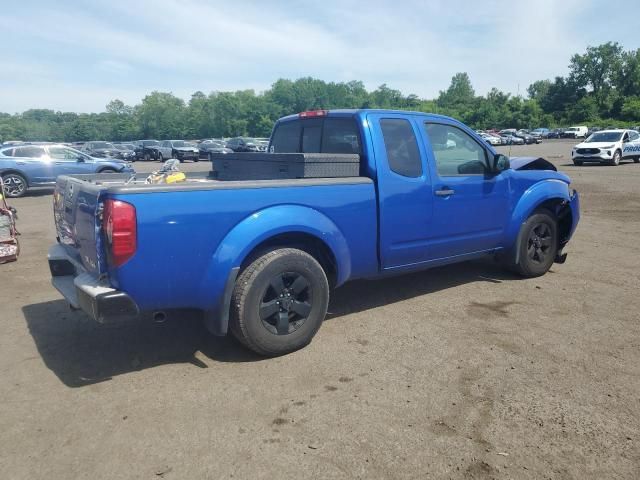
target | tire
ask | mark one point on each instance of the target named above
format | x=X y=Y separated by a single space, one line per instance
x=538 y=245
x=615 y=161
x=15 y=185
x=160 y=157
x=279 y=302
x=577 y=163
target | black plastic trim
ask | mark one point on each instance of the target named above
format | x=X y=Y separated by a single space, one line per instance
x=108 y=307
x=61 y=268
x=217 y=321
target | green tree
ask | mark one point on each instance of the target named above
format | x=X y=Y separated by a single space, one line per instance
x=597 y=69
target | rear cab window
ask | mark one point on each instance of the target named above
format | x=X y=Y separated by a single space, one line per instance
x=317 y=135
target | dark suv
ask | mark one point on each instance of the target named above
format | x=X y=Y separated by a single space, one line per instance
x=245 y=144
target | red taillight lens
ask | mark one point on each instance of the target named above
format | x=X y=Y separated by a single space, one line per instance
x=119 y=225
x=313 y=113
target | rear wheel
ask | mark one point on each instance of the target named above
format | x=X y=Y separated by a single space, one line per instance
x=15 y=185
x=616 y=158
x=538 y=244
x=279 y=302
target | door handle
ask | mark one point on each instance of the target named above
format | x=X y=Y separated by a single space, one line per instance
x=445 y=192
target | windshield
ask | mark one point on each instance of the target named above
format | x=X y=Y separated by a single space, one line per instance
x=102 y=145
x=146 y=143
x=604 y=137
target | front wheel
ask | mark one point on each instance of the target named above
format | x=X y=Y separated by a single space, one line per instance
x=160 y=157
x=279 y=302
x=616 y=158
x=538 y=245
x=577 y=162
x=15 y=185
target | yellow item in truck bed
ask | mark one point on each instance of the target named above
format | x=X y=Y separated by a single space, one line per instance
x=176 y=177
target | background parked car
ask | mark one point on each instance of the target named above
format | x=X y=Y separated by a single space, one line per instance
x=245 y=144
x=146 y=149
x=27 y=166
x=177 y=149
x=528 y=139
x=575 y=132
x=491 y=139
x=512 y=139
x=609 y=147
x=540 y=132
x=213 y=145
x=555 y=133
x=100 y=149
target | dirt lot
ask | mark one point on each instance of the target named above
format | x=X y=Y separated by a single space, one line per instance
x=459 y=372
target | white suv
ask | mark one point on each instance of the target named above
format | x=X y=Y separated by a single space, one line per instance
x=608 y=146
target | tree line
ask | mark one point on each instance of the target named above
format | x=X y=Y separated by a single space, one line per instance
x=602 y=88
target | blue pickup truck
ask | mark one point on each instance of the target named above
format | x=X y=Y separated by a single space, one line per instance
x=259 y=257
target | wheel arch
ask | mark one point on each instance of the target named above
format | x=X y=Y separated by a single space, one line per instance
x=6 y=171
x=293 y=226
x=552 y=195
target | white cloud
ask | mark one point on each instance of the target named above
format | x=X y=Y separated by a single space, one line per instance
x=183 y=46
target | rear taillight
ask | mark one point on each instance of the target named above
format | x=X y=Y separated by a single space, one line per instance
x=119 y=226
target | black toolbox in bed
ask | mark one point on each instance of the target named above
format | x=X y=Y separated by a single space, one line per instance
x=270 y=166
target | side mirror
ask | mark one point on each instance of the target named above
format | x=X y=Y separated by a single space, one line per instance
x=500 y=163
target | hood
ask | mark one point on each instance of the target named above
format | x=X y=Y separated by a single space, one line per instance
x=531 y=163
x=186 y=149
x=522 y=164
x=595 y=144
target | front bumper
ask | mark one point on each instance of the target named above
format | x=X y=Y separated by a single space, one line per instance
x=603 y=156
x=187 y=155
x=86 y=292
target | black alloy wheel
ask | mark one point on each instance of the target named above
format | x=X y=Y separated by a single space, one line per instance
x=286 y=303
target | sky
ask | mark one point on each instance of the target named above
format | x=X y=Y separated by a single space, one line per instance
x=79 y=55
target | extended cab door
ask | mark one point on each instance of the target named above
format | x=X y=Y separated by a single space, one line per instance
x=470 y=203
x=404 y=190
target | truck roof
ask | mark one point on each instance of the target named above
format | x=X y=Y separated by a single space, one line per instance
x=362 y=111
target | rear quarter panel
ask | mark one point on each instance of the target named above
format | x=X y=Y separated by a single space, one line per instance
x=188 y=241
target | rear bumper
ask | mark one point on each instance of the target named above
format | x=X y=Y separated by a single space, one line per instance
x=88 y=293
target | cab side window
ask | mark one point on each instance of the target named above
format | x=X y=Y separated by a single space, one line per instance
x=633 y=136
x=401 y=145
x=455 y=151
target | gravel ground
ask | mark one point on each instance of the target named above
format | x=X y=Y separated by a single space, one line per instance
x=458 y=372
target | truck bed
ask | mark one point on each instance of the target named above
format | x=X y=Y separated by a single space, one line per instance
x=189 y=232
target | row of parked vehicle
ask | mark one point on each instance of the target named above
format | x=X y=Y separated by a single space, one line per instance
x=181 y=150
x=511 y=136
x=162 y=149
